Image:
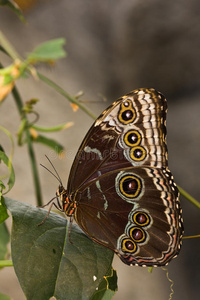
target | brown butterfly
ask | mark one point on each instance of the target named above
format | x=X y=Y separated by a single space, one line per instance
x=120 y=190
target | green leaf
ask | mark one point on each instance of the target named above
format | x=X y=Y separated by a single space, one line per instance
x=14 y=7
x=4 y=240
x=4 y=297
x=58 y=148
x=1 y=149
x=11 y=176
x=3 y=211
x=54 y=128
x=108 y=286
x=49 y=50
x=47 y=263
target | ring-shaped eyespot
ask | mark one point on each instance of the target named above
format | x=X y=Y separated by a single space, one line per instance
x=132 y=138
x=128 y=245
x=127 y=113
x=141 y=218
x=130 y=186
x=137 y=234
x=138 y=153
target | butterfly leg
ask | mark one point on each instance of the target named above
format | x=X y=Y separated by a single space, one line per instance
x=50 y=207
x=47 y=203
x=70 y=227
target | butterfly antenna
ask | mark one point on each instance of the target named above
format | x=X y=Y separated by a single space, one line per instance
x=57 y=177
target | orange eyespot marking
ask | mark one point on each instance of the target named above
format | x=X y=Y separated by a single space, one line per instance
x=141 y=218
x=138 y=153
x=127 y=113
x=137 y=234
x=128 y=246
x=130 y=186
x=132 y=138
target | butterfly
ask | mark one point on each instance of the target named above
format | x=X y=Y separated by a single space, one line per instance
x=120 y=191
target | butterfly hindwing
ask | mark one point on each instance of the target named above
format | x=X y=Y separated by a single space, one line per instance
x=136 y=212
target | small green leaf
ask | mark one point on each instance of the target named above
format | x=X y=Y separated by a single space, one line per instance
x=4 y=240
x=54 y=128
x=47 y=263
x=50 y=50
x=8 y=162
x=3 y=211
x=1 y=149
x=7 y=79
x=58 y=148
x=14 y=7
x=107 y=288
x=11 y=175
x=112 y=280
x=4 y=297
x=150 y=269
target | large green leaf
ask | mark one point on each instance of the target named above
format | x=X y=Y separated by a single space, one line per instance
x=49 y=262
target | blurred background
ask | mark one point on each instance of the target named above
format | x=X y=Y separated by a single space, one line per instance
x=114 y=47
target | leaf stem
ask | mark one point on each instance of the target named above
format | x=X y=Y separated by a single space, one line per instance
x=189 y=197
x=34 y=169
x=8 y=47
x=19 y=103
x=6 y=263
x=54 y=128
x=65 y=94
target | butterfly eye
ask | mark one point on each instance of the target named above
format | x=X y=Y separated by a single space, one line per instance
x=141 y=218
x=126 y=113
x=132 y=138
x=128 y=246
x=130 y=186
x=137 y=234
x=61 y=189
x=138 y=153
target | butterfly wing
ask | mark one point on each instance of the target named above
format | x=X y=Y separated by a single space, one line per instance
x=125 y=195
x=131 y=131
x=135 y=212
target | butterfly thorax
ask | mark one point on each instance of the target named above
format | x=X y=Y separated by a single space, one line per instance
x=67 y=204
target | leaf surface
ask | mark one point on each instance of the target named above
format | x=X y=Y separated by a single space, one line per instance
x=47 y=263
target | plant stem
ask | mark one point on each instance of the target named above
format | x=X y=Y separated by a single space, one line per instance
x=65 y=94
x=6 y=263
x=189 y=197
x=34 y=169
x=8 y=47
x=54 y=128
x=17 y=99
x=19 y=103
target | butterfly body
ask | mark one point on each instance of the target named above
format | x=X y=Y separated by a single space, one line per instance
x=120 y=190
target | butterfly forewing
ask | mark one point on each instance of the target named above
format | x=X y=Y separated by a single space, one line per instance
x=131 y=131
